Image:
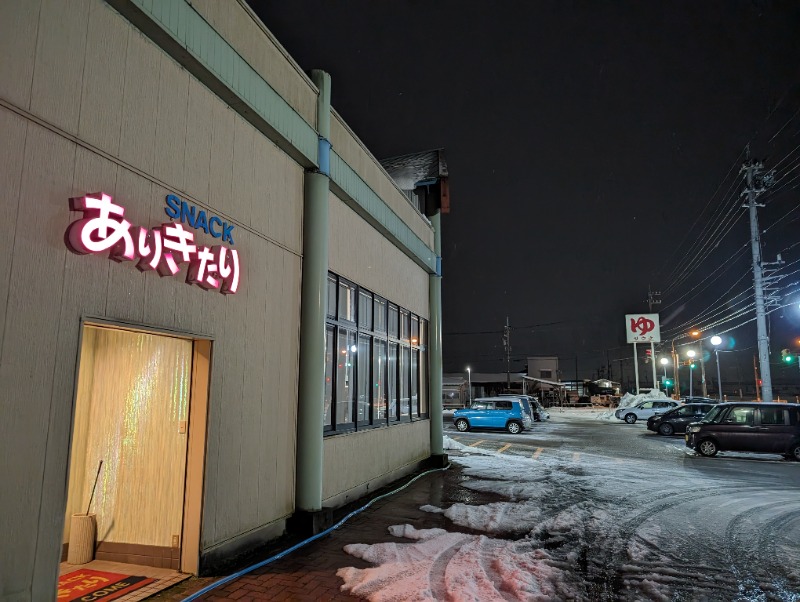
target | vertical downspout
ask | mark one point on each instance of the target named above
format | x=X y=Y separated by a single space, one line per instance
x=311 y=386
x=435 y=301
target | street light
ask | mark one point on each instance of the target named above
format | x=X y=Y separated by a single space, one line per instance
x=717 y=341
x=469 y=376
x=690 y=354
x=664 y=361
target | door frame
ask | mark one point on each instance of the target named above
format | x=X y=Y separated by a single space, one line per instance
x=197 y=428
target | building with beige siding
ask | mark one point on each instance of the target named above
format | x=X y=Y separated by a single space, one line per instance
x=219 y=315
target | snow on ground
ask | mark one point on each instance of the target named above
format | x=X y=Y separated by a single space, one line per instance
x=440 y=565
x=565 y=532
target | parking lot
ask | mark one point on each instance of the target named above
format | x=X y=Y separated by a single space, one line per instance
x=643 y=511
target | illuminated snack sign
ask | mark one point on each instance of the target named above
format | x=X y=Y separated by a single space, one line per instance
x=162 y=249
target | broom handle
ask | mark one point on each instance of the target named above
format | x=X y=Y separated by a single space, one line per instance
x=91 y=497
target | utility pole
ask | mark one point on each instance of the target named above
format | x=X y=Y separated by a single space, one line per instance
x=507 y=346
x=653 y=298
x=756 y=184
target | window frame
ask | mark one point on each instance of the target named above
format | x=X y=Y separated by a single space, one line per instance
x=411 y=355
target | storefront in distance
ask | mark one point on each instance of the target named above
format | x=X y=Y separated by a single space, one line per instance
x=220 y=314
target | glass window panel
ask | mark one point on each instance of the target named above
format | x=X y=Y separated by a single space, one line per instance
x=405 y=325
x=391 y=382
x=344 y=377
x=380 y=314
x=393 y=320
x=415 y=330
x=331 y=295
x=415 y=382
x=404 y=389
x=772 y=416
x=379 y=380
x=362 y=369
x=347 y=301
x=365 y=310
x=330 y=358
x=423 y=383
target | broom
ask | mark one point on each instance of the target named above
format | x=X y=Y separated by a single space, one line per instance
x=91 y=497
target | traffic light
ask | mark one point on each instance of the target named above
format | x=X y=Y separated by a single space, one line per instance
x=786 y=355
x=667 y=383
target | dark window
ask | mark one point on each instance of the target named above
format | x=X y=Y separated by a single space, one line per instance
x=405 y=383
x=330 y=358
x=379 y=380
x=347 y=301
x=405 y=325
x=415 y=382
x=380 y=314
x=345 y=384
x=363 y=361
x=393 y=320
x=365 y=310
x=503 y=405
x=371 y=378
x=331 y=310
x=772 y=416
x=391 y=382
x=545 y=374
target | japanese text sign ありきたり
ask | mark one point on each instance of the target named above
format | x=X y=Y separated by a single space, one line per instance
x=162 y=249
x=642 y=328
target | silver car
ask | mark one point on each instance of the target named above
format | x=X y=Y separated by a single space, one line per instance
x=644 y=409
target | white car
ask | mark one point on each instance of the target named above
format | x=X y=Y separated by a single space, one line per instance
x=644 y=409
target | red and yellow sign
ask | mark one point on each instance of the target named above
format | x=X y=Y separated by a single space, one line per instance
x=87 y=585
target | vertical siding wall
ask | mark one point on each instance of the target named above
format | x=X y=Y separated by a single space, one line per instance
x=88 y=104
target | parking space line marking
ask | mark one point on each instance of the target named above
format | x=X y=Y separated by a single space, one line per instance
x=477 y=443
x=504 y=448
x=538 y=451
x=576 y=456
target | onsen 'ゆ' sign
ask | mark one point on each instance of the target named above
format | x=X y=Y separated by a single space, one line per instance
x=642 y=328
x=162 y=249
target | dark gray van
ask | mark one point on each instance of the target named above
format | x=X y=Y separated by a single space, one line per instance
x=772 y=428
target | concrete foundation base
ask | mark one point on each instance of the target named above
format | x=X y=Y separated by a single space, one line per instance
x=306 y=524
x=437 y=461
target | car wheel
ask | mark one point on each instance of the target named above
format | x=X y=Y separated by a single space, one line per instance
x=707 y=448
x=794 y=452
x=666 y=429
x=462 y=425
x=630 y=418
x=513 y=427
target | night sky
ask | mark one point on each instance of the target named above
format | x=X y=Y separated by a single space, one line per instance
x=592 y=148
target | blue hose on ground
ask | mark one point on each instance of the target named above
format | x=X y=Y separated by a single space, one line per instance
x=297 y=546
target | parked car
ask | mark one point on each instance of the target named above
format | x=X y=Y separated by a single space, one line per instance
x=697 y=399
x=645 y=409
x=677 y=419
x=748 y=427
x=533 y=406
x=493 y=413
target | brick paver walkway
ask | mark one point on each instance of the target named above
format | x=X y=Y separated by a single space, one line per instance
x=310 y=572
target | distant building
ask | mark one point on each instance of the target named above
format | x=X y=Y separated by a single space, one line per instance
x=544 y=367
